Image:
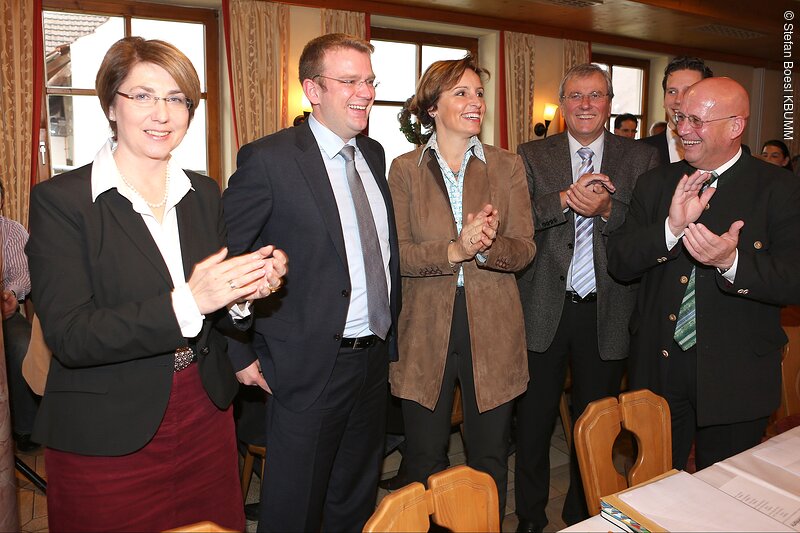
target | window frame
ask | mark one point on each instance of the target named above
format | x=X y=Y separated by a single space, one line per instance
x=130 y=9
x=644 y=65
x=421 y=39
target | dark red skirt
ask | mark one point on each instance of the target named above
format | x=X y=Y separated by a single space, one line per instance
x=187 y=473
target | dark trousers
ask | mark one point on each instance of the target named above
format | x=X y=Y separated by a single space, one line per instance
x=712 y=443
x=24 y=403
x=486 y=434
x=575 y=343
x=323 y=464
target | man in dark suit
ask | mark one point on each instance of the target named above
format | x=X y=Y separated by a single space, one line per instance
x=680 y=74
x=324 y=343
x=716 y=263
x=580 y=184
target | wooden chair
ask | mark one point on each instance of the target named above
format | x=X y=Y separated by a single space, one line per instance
x=641 y=412
x=563 y=405
x=788 y=414
x=200 y=527
x=253 y=450
x=459 y=499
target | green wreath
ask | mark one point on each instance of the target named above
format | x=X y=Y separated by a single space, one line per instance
x=411 y=129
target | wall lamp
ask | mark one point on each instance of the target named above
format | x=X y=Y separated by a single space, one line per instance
x=549 y=112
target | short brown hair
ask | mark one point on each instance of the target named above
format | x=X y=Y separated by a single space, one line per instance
x=130 y=51
x=314 y=52
x=440 y=76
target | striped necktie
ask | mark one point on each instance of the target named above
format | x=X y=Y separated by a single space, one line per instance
x=686 y=327
x=583 y=281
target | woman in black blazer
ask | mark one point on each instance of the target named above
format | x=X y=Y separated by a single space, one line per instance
x=129 y=279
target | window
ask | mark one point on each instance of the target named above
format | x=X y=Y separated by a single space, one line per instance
x=399 y=60
x=75 y=44
x=629 y=78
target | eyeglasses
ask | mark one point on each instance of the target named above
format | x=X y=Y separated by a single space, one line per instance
x=696 y=122
x=575 y=98
x=352 y=84
x=149 y=100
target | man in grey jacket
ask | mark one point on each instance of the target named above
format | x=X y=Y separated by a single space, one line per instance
x=580 y=184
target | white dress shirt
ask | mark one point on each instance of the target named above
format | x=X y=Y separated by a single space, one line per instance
x=674 y=145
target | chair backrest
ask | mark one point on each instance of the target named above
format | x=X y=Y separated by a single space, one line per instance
x=641 y=412
x=465 y=500
x=405 y=509
x=460 y=499
x=199 y=527
x=790 y=366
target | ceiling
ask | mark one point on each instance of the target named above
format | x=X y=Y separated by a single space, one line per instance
x=739 y=31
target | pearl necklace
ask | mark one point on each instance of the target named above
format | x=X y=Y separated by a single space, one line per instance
x=163 y=201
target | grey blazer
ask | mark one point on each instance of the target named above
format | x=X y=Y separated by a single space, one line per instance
x=543 y=284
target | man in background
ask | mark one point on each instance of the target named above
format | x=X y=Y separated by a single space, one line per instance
x=16 y=329
x=680 y=74
x=626 y=125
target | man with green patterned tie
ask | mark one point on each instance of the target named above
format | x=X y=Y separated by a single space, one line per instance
x=715 y=240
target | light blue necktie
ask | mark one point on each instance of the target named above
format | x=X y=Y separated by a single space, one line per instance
x=583 y=281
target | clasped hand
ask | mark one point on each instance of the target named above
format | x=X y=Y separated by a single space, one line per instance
x=477 y=235
x=216 y=282
x=590 y=195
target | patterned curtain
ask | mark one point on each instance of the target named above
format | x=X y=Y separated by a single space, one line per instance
x=576 y=53
x=520 y=60
x=350 y=22
x=17 y=35
x=258 y=44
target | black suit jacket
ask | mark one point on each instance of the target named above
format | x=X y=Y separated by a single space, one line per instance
x=281 y=195
x=739 y=336
x=103 y=294
x=659 y=141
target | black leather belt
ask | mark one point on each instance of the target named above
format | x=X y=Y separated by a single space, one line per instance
x=575 y=298
x=359 y=343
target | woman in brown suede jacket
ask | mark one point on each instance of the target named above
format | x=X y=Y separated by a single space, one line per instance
x=464 y=227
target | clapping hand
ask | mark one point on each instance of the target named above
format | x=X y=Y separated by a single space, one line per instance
x=687 y=201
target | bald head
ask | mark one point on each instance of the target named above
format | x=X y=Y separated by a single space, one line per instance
x=723 y=106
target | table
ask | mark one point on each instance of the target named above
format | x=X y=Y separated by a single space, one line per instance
x=765 y=478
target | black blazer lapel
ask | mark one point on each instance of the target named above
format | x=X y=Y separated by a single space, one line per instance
x=313 y=169
x=191 y=253
x=132 y=224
